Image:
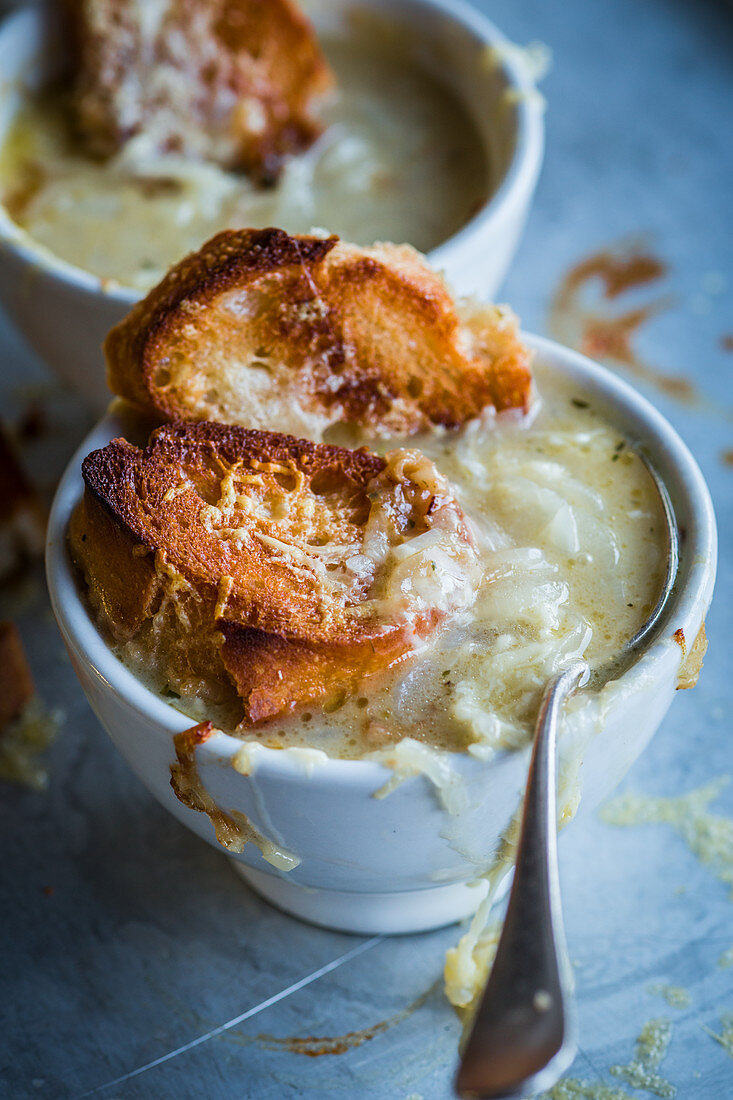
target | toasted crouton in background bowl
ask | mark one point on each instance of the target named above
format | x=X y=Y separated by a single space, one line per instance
x=389 y=846
x=65 y=311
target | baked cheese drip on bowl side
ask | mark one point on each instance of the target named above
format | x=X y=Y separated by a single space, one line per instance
x=399 y=159
x=569 y=532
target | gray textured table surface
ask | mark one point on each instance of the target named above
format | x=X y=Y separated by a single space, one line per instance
x=124 y=937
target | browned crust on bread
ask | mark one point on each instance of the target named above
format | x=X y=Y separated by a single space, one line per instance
x=260 y=326
x=273 y=675
x=140 y=523
x=16 y=681
x=260 y=545
x=157 y=498
x=134 y=347
x=123 y=585
x=225 y=80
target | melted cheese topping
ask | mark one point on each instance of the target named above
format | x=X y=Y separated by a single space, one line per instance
x=394 y=570
x=570 y=537
x=562 y=555
x=399 y=159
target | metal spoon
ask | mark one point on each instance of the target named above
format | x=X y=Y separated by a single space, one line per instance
x=523 y=1036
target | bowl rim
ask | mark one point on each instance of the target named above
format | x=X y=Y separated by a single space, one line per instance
x=518 y=179
x=689 y=602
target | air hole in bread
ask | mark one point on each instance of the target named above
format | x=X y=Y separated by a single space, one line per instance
x=326 y=481
x=286 y=481
x=209 y=492
x=415 y=387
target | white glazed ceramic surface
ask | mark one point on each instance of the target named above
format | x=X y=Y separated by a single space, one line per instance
x=65 y=313
x=400 y=863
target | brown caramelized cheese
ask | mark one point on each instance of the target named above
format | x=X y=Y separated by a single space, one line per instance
x=261 y=328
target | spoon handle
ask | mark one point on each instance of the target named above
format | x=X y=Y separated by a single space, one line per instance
x=523 y=1034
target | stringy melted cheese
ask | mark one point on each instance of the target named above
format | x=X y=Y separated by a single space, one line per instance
x=569 y=538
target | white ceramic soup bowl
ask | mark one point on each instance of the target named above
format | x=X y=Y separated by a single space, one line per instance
x=65 y=312
x=400 y=863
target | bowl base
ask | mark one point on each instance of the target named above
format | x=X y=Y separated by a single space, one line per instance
x=365 y=913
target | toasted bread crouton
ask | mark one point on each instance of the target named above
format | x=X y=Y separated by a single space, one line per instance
x=16 y=681
x=282 y=561
x=22 y=515
x=261 y=328
x=229 y=81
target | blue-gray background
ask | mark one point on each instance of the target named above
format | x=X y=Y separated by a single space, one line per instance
x=147 y=940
